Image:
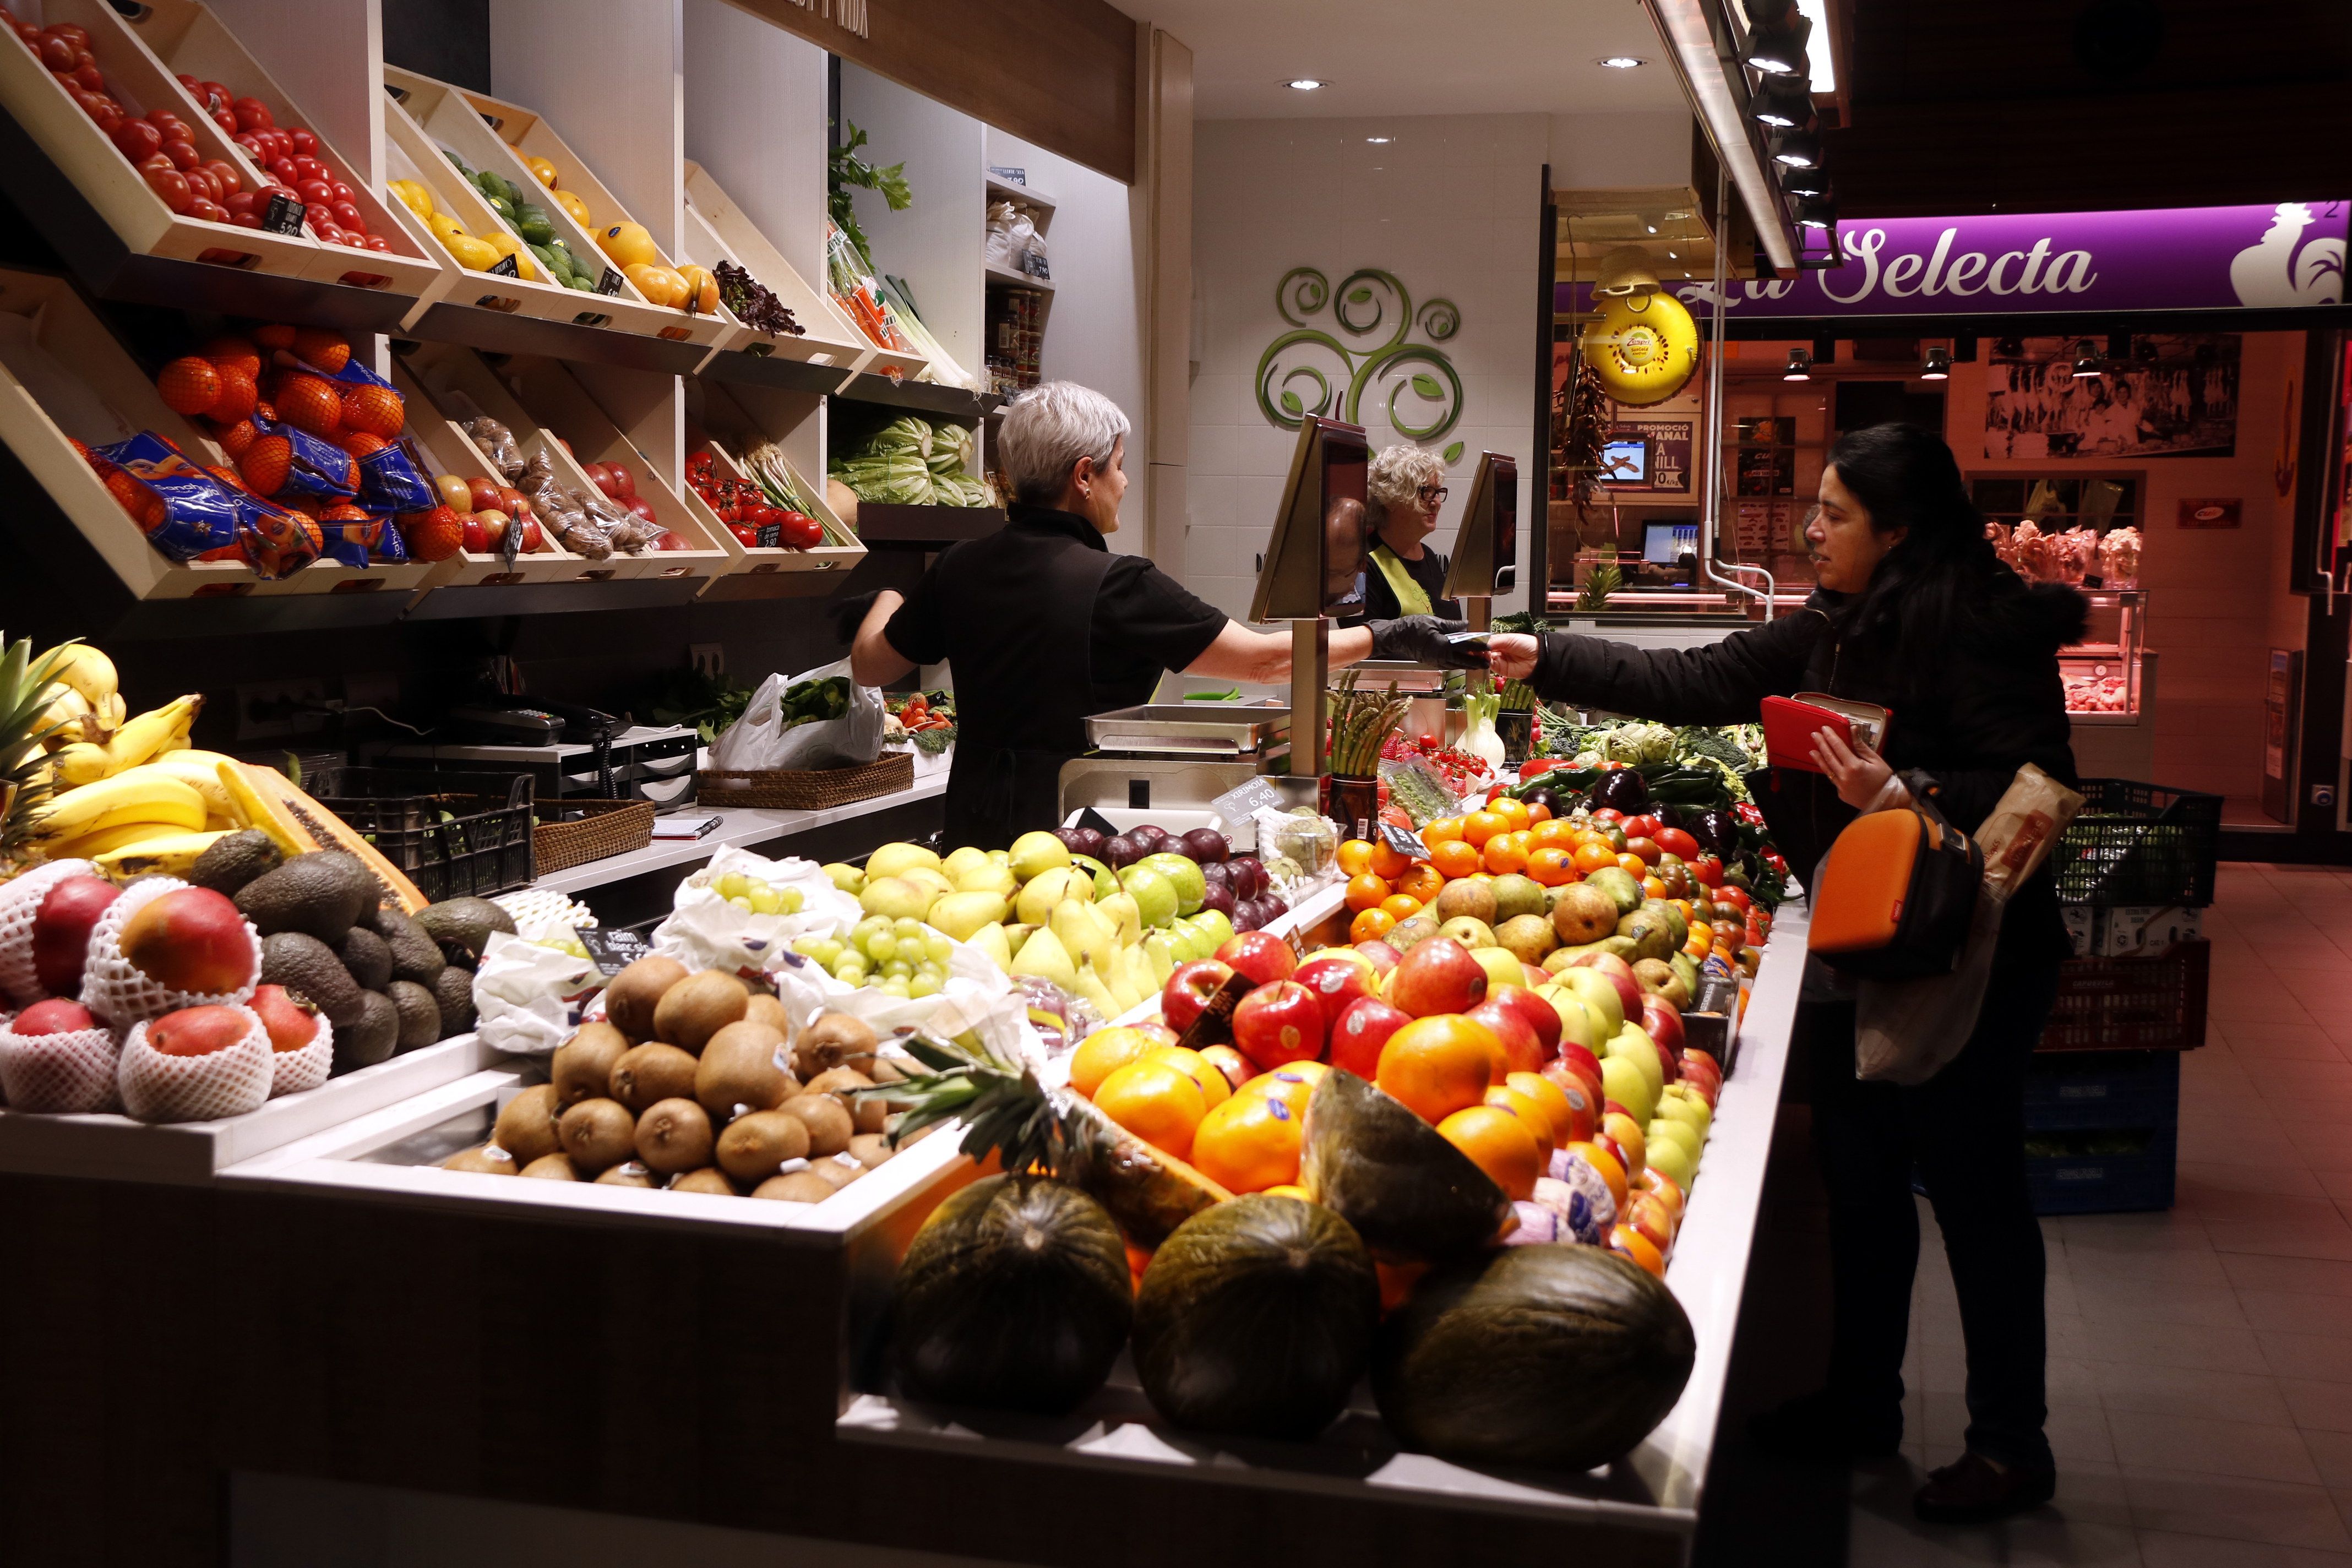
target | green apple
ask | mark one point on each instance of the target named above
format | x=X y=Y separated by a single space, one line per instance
x=1034 y=854
x=1220 y=930
x=1623 y=1081
x=1185 y=873
x=1576 y=1023
x=1502 y=966
x=1599 y=993
x=1631 y=1043
x=1663 y=1129
x=1154 y=895
x=1669 y=1158
x=1683 y=1103
x=1105 y=884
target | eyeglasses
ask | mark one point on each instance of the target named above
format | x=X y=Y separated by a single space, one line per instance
x=1434 y=494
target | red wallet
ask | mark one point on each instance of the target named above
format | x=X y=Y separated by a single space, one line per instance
x=1791 y=722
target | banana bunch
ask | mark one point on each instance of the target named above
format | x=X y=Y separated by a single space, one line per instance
x=152 y=817
x=84 y=700
x=157 y=732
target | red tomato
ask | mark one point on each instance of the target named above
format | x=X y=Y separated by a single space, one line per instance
x=57 y=53
x=1735 y=896
x=138 y=140
x=802 y=531
x=172 y=186
x=252 y=114
x=314 y=192
x=377 y=243
x=87 y=75
x=1608 y=814
x=743 y=535
x=209 y=209
x=231 y=181
x=1644 y=827
x=282 y=169
x=182 y=153
x=301 y=141
x=226 y=122
x=1675 y=841
x=349 y=216
x=1646 y=848
x=1709 y=868
x=342 y=192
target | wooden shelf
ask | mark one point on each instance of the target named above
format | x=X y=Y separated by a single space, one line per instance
x=499 y=331
x=880 y=524
x=1004 y=190
x=775 y=370
x=1005 y=276
x=924 y=396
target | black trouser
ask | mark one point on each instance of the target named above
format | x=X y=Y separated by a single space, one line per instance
x=1964 y=1131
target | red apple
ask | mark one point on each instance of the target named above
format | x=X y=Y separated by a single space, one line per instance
x=1384 y=956
x=1540 y=1015
x=1663 y=1022
x=1188 y=990
x=1654 y=1219
x=1362 y=1029
x=1700 y=1068
x=1336 y=983
x=1238 y=1068
x=1279 y=1023
x=1584 y=1103
x=483 y=495
x=1535 y=976
x=1437 y=976
x=54 y=1017
x=291 y=1021
x=1620 y=974
x=197 y=1031
x=191 y=939
x=1521 y=1053
x=1581 y=1060
x=62 y=929
x=1264 y=958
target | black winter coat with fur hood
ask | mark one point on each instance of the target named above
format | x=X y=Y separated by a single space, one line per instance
x=1991 y=702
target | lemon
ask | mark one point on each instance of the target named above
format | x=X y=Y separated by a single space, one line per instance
x=445 y=227
x=473 y=254
x=629 y=245
x=576 y=207
x=414 y=198
x=543 y=169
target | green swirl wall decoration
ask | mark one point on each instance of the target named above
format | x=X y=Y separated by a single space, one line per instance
x=1310 y=371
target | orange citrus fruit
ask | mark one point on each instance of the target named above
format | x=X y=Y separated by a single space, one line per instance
x=1549 y=1097
x=1453 y=857
x=1439 y=1065
x=1551 y=867
x=1443 y=831
x=1601 y=1160
x=1293 y=1083
x=1551 y=833
x=1249 y=1143
x=1356 y=857
x=1102 y=1053
x=1499 y=1144
x=1401 y=907
x=1369 y=925
x=1652 y=888
x=1504 y=853
x=1514 y=812
x=1593 y=856
x=1480 y=825
x=1632 y=864
x=1632 y=1244
x=1388 y=863
x=1365 y=891
x=1515 y=1103
x=1421 y=880
x=1157 y=1101
x=1214 y=1086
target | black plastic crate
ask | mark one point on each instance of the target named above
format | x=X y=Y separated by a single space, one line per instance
x=2072 y=1091
x=2139 y=844
x=2132 y=1004
x=2102 y=1172
x=454 y=834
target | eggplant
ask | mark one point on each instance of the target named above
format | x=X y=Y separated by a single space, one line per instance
x=1716 y=830
x=1622 y=790
x=1548 y=798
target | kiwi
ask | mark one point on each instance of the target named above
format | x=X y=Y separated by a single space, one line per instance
x=582 y=1068
x=828 y=1123
x=526 y=1126
x=367 y=956
x=487 y=1159
x=765 y=1009
x=552 y=1168
x=707 y=1180
x=420 y=1015
x=674 y=1135
x=698 y=1007
x=630 y=999
x=885 y=1070
x=628 y=1174
x=829 y=1042
x=370 y=1037
x=597 y=1133
x=839 y=1171
x=740 y=1066
x=870 y=1148
x=754 y=1145
x=652 y=1072
x=800 y=1188
x=837 y=1081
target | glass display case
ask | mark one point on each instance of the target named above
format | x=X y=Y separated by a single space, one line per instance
x=2103 y=671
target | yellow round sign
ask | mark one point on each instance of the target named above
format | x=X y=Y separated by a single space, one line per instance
x=1645 y=347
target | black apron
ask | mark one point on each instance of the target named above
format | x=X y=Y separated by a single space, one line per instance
x=1020 y=610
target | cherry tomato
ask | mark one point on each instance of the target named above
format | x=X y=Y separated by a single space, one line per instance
x=301 y=141
x=206 y=209
x=73 y=33
x=58 y=54
x=252 y=114
x=86 y=74
x=172 y=186
x=138 y=141
x=182 y=153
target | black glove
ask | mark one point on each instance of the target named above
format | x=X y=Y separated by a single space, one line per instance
x=850 y=614
x=1420 y=639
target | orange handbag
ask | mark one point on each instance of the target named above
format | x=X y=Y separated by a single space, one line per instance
x=1893 y=898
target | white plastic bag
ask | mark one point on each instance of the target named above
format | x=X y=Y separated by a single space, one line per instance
x=978 y=996
x=705 y=931
x=760 y=740
x=529 y=999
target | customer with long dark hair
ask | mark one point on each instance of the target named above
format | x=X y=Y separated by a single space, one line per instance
x=1915 y=613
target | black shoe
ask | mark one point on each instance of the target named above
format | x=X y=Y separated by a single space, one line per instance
x=1972 y=1489
x=1821 y=1425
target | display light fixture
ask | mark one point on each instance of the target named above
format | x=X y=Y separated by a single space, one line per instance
x=1305 y=83
x=1379 y=141
x=1783 y=103
x=1801 y=366
x=2086 y=364
x=1817 y=213
x=1804 y=182
x=1936 y=364
x=1799 y=150
x=1622 y=62
x=1718 y=91
x=1777 y=35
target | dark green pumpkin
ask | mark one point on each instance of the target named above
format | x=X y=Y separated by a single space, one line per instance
x=1256 y=1316
x=1411 y=1196
x=1551 y=1355
x=1014 y=1295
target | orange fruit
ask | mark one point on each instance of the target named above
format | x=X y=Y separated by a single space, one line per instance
x=1519 y=1103
x=274 y=335
x=189 y=385
x=1504 y=854
x=311 y=404
x=234 y=353
x=1499 y=1144
x=1632 y=864
x=1157 y=1102
x=1514 y=812
x=267 y=463
x=378 y=410
x=1397 y=1280
x=1444 y=830
x=1421 y=880
x=237 y=397
x=1365 y=891
x=1601 y=1160
x=1653 y=889
x=1632 y=1244
x=1453 y=857
x=238 y=437
x=1547 y=1097
x=1291 y=1190
x=434 y=535
x=322 y=347
x=1439 y=1065
x=1538 y=812
x=1293 y=1083
x=1480 y=825
x=1593 y=856
x=1371 y=924
x=1551 y=867
x=1388 y=863
x=1249 y=1143
x=1355 y=857
x=1102 y=1053
x=1400 y=907
x=359 y=443
x=1215 y=1088
x=1550 y=833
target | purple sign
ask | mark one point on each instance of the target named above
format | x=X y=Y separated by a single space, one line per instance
x=2176 y=259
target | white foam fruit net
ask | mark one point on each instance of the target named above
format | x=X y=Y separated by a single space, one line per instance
x=56 y=1073
x=298 y=1072
x=122 y=994
x=228 y=1082
x=20 y=900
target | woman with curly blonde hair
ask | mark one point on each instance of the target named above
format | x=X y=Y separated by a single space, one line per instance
x=1406 y=487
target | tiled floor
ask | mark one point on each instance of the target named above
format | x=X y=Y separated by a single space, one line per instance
x=2200 y=1360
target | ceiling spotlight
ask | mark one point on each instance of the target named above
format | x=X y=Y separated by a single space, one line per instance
x=2086 y=364
x=1305 y=83
x=1622 y=62
x=1783 y=103
x=1379 y=141
x=1799 y=150
x=1936 y=364
x=1801 y=366
x=1778 y=48
x=1804 y=182
x=1651 y=227
x=1672 y=257
x=1814 y=212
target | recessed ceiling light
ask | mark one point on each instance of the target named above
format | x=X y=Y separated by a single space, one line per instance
x=1305 y=83
x=1651 y=226
x=1672 y=257
x=1379 y=141
x=1621 y=62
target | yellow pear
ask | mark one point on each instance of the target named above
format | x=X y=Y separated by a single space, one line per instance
x=895 y=898
x=961 y=915
x=1082 y=934
x=987 y=877
x=1120 y=910
x=1043 y=956
x=892 y=858
x=961 y=861
x=1042 y=892
x=1163 y=959
x=924 y=876
x=989 y=939
x=1034 y=853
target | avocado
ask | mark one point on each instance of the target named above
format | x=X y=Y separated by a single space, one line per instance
x=414 y=956
x=369 y=1037
x=453 y=989
x=420 y=1014
x=580 y=282
x=234 y=860
x=303 y=963
x=322 y=895
x=532 y=223
x=463 y=927
x=367 y=956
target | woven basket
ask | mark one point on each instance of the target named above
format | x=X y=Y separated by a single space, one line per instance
x=611 y=827
x=805 y=790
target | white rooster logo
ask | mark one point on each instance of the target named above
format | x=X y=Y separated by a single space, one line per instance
x=2280 y=270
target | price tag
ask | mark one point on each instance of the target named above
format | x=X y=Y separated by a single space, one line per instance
x=1089 y=817
x=770 y=535
x=1236 y=804
x=1214 y=1026
x=613 y=950
x=610 y=283
x=283 y=216
x=507 y=266
x=1404 y=841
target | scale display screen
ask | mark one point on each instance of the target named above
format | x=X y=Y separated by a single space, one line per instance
x=1667 y=542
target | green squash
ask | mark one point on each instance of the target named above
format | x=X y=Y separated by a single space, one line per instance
x=1552 y=1355
x=1411 y=1196
x=1014 y=1295
x=1256 y=1316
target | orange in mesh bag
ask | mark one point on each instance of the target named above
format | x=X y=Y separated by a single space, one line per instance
x=206 y=938
x=20 y=907
x=198 y=1064
x=53 y=1066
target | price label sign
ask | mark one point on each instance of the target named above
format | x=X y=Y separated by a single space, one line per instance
x=1404 y=841
x=1236 y=804
x=507 y=266
x=613 y=950
x=283 y=214
x=609 y=283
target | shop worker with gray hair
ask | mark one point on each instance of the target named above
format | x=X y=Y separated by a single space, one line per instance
x=1044 y=626
x=1406 y=487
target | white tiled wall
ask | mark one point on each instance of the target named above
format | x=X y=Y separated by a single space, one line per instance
x=1450 y=206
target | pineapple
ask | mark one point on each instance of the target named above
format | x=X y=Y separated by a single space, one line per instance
x=24 y=724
